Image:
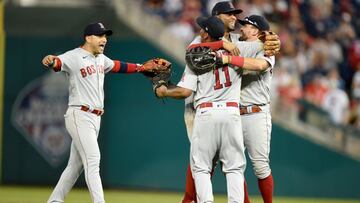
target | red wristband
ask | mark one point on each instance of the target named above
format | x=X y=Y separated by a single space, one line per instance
x=237 y=61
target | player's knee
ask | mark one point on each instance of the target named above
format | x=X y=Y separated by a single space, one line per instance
x=93 y=160
x=199 y=168
x=262 y=170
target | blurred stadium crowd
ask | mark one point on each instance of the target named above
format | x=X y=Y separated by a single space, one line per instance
x=320 y=56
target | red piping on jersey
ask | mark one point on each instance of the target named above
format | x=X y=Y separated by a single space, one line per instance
x=213 y=45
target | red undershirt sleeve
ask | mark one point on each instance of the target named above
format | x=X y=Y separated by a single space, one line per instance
x=58 y=65
x=213 y=45
x=124 y=67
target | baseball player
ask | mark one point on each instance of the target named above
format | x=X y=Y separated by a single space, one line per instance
x=226 y=12
x=85 y=67
x=215 y=95
x=255 y=109
x=254 y=102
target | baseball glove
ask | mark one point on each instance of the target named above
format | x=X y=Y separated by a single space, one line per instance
x=162 y=78
x=154 y=66
x=202 y=60
x=271 y=43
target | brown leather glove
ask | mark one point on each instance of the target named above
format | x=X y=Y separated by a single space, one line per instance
x=271 y=43
x=155 y=66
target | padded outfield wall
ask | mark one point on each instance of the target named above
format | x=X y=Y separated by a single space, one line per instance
x=134 y=153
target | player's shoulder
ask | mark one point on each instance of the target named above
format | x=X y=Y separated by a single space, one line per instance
x=74 y=51
x=256 y=45
x=196 y=40
x=252 y=43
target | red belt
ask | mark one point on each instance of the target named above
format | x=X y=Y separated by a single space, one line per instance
x=95 y=111
x=247 y=110
x=210 y=104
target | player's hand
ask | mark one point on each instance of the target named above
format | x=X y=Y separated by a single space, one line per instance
x=160 y=91
x=220 y=58
x=49 y=61
x=271 y=43
x=231 y=47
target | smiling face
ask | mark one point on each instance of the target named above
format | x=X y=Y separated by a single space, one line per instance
x=95 y=44
x=229 y=20
x=248 y=32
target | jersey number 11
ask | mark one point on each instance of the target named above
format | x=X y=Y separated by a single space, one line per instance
x=227 y=83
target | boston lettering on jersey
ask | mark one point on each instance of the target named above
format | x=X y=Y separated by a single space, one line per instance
x=89 y=70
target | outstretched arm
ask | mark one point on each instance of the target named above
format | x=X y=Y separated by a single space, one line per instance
x=124 y=67
x=173 y=92
x=154 y=65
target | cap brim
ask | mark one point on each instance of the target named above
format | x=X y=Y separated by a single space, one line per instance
x=107 y=32
x=201 y=21
x=243 y=22
x=234 y=11
x=102 y=32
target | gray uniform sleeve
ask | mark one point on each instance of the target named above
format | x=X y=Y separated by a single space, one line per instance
x=188 y=80
x=270 y=60
x=250 y=49
x=108 y=64
x=189 y=101
x=196 y=40
x=66 y=61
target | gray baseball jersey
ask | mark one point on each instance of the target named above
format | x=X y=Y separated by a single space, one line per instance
x=255 y=86
x=86 y=76
x=226 y=78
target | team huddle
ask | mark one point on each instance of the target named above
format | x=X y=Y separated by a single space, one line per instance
x=227 y=108
x=226 y=87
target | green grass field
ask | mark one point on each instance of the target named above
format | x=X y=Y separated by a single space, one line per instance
x=40 y=195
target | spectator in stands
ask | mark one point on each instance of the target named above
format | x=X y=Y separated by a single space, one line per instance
x=336 y=101
x=316 y=90
x=316 y=35
x=155 y=7
x=185 y=27
x=317 y=67
x=355 y=93
x=182 y=29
